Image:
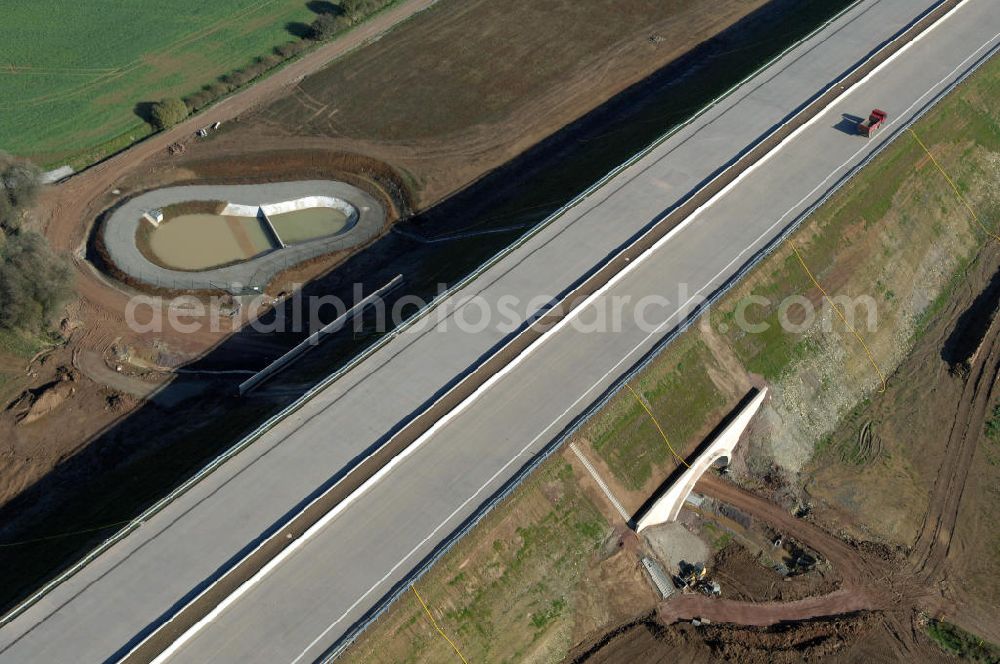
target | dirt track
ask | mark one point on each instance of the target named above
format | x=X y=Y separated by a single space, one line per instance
x=971 y=411
x=67 y=210
x=859 y=575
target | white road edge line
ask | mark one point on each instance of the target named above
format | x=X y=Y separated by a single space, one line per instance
x=327 y=518
x=142 y=518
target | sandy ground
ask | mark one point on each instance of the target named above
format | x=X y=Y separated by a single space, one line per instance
x=673 y=543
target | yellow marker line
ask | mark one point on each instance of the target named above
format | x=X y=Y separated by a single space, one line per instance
x=958 y=193
x=871 y=358
x=658 y=427
x=434 y=622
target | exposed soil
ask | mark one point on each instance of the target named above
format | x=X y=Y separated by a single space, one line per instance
x=933 y=418
x=746 y=578
x=850 y=638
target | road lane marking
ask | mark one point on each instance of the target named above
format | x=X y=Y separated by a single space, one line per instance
x=614 y=281
x=614 y=369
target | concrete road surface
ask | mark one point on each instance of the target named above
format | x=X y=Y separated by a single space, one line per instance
x=307 y=603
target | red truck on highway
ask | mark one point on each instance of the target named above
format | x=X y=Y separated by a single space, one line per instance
x=868 y=127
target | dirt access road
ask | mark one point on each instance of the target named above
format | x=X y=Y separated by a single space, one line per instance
x=872 y=578
x=872 y=614
x=965 y=430
x=860 y=575
x=960 y=358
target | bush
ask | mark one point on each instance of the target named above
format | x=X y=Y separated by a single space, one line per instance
x=168 y=112
x=34 y=283
x=18 y=188
x=269 y=61
x=290 y=49
x=327 y=25
x=356 y=10
x=199 y=100
x=956 y=641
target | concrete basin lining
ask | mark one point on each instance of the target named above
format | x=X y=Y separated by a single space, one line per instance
x=366 y=217
x=302 y=203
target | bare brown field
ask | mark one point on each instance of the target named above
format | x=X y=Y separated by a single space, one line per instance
x=279 y=141
x=463 y=89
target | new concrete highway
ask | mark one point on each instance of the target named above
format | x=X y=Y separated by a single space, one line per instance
x=304 y=605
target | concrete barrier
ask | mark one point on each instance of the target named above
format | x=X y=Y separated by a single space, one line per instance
x=261 y=214
x=366 y=218
x=315 y=338
x=668 y=506
x=265 y=210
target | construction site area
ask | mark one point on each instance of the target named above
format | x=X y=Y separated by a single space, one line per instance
x=807 y=471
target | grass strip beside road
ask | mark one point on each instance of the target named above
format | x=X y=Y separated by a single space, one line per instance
x=954 y=187
x=247 y=570
x=436 y=626
x=658 y=427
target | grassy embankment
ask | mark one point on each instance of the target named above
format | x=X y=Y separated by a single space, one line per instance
x=896 y=233
x=72 y=75
x=501 y=593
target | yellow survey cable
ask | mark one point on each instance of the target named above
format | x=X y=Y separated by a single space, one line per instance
x=871 y=358
x=434 y=622
x=658 y=427
x=958 y=192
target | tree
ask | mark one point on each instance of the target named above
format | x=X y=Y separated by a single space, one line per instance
x=168 y=112
x=326 y=26
x=34 y=282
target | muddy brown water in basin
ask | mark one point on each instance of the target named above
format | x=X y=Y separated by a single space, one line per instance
x=203 y=241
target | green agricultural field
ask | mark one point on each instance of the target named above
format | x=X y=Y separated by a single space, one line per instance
x=71 y=73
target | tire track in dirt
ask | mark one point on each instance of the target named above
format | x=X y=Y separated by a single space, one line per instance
x=934 y=541
x=870 y=583
x=853 y=567
x=860 y=576
x=763 y=614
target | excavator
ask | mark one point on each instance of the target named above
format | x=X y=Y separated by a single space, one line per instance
x=694 y=578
